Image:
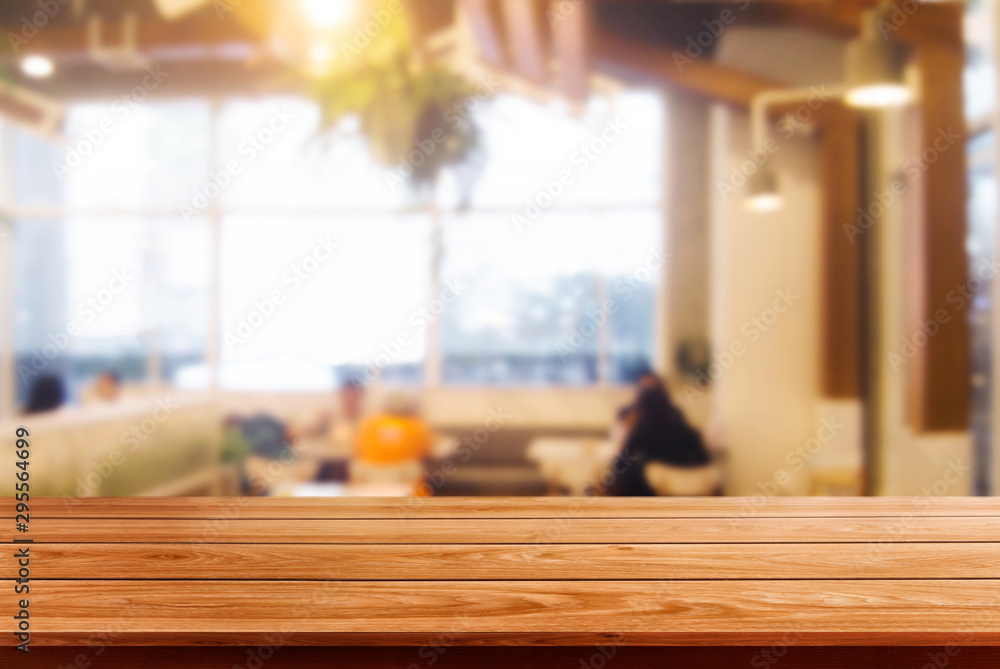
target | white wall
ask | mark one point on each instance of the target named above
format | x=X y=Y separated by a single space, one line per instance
x=910 y=464
x=766 y=406
x=768 y=403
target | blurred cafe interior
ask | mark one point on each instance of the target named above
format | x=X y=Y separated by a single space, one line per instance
x=500 y=247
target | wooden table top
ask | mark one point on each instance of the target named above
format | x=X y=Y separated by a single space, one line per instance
x=549 y=571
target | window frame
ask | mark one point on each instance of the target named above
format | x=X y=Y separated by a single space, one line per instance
x=214 y=214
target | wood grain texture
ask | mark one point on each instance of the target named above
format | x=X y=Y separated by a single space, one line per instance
x=505 y=507
x=447 y=656
x=513 y=562
x=567 y=530
x=959 y=608
x=482 y=572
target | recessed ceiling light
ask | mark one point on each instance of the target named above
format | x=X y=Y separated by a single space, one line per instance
x=326 y=13
x=38 y=66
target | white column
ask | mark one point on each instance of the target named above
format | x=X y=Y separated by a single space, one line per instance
x=8 y=359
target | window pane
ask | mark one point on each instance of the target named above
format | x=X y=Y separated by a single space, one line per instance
x=134 y=157
x=611 y=156
x=179 y=255
x=538 y=303
x=296 y=314
x=35 y=181
x=97 y=294
x=277 y=157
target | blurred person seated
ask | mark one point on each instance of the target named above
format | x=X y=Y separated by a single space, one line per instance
x=626 y=417
x=107 y=387
x=659 y=434
x=336 y=428
x=393 y=446
x=344 y=430
x=47 y=394
x=270 y=459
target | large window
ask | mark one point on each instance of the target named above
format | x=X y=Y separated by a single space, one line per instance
x=195 y=243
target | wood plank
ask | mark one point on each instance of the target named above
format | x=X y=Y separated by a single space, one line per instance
x=382 y=639
x=656 y=64
x=564 y=530
x=670 y=609
x=442 y=650
x=511 y=562
x=504 y=507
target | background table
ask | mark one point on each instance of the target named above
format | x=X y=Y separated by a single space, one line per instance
x=572 y=462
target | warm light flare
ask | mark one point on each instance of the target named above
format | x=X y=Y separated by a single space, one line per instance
x=326 y=14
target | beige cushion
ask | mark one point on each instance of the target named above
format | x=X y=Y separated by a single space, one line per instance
x=682 y=481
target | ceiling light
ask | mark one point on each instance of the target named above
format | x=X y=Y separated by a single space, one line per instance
x=326 y=13
x=875 y=68
x=764 y=195
x=38 y=67
x=879 y=96
x=321 y=53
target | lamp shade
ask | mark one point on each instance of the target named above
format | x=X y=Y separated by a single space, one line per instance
x=763 y=191
x=875 y=69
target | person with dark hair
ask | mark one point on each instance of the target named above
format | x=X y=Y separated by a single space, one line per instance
x=106 y=389
x=47 y=394
x=659 y=433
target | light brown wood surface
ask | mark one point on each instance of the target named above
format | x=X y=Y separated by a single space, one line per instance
x=513 y=571
x=556 y=530
x=613 y=562
x=506 y=507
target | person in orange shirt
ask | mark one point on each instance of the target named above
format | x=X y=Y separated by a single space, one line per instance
x=392 y=446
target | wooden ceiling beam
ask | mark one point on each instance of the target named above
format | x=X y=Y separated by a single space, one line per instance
x=929 y=25
x=571 y=30
x=524 y=40
x=661 y=65
x=65 y=41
